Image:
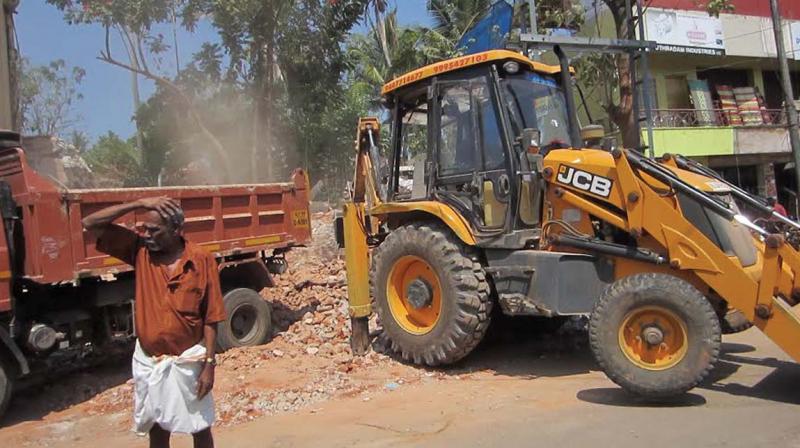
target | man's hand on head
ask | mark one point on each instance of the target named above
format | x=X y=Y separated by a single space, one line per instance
x=166 y=207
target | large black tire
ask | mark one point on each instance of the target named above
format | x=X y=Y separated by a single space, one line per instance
x=631 y=308
x=249 y=320
x=6 y=387
x=734 y=322
x=465 y=305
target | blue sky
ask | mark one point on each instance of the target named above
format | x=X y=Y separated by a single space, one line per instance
x=107 y=104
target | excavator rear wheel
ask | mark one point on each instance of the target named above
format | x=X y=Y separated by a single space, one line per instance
x=432 y=298
x=654 y=334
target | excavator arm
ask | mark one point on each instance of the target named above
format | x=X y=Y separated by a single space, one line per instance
x=763 y=295
x=357 y=231
x=780 y=280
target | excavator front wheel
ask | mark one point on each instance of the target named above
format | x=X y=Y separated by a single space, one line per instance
x=431 y=296
x=654 y=334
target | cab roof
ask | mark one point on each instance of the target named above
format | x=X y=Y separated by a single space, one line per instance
x=459 y=63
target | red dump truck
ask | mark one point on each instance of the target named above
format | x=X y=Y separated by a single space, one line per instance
x=62 y=301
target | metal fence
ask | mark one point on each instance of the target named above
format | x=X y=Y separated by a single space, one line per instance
x=692 y=118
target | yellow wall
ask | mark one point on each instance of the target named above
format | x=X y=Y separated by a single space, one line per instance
x=705 y=141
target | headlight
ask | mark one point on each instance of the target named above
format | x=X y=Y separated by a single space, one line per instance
x=511 y=67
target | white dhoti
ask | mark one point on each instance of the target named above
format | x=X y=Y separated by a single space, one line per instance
x=165 y=392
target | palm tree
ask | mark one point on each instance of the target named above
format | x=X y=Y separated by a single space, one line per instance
x=389 y=50
x=453 y=18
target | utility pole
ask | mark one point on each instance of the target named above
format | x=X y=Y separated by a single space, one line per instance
x=534 y=54
x=788 y=95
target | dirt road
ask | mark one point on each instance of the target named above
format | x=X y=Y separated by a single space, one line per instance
x=508 y=394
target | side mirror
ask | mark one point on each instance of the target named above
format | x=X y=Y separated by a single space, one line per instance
x=529 y=140
x=592 y=135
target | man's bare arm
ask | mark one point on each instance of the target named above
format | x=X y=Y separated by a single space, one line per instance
x=102 y=218
x=206 y=380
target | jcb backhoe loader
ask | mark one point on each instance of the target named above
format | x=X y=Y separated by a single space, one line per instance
x=505 y=208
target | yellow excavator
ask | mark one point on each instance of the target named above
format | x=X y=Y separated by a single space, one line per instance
x=487 y=195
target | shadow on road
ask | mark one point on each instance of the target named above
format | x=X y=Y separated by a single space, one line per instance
x=733 y=348
x=58 y=391
x=611 y=396
x=525 y=347
x=778 y=385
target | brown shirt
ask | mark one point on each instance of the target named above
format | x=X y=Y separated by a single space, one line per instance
x=171 y=308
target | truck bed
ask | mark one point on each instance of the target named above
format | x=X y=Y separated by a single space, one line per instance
x=226 y=219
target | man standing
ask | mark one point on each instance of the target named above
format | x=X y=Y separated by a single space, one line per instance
x=178 y=305
x=776 y=206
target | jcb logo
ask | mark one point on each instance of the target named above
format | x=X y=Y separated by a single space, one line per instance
x=582 y=180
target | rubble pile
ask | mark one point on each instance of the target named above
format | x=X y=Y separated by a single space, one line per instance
x=309 y=302
x=246 y=403
x=310 y=317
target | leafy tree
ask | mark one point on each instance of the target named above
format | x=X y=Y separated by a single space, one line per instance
x=276 y=52
x=389 y=50
x=130 y=21
x=334 y=158
x=133 y=22
x=287 y=53
x=115 y=162
x=79 y=140
x=48 y=95
x=171 y=143
x=453 y=18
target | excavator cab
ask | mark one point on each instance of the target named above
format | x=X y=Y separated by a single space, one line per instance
x=487 y=197
x=458 y=138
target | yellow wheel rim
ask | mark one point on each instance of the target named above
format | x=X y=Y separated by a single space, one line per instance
x=653 y=338
x=418 y=313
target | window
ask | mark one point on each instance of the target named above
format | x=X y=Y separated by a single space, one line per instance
x=468 y=118
x=494 y=156
x=536 y=101
x=411 y=174
x=456 y=137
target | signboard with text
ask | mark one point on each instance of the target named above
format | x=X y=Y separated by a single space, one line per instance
x=794 y=28
x=686 y=32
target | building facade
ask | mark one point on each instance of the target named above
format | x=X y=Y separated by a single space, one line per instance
x=715 y=89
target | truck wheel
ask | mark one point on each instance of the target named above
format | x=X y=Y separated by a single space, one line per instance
x=432 y=298
x=249 y=320
x=654 y=334
x=6 y=386
x=734 y=322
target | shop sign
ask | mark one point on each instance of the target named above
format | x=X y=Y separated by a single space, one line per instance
x=685 y=32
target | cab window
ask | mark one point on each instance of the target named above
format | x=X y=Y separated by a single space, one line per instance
x=469 y=137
